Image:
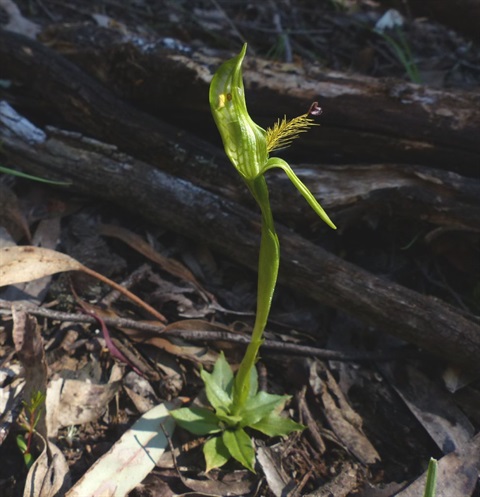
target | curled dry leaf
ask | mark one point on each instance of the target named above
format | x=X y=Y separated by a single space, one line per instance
x=75 y=402
x=49 y=474
x=278 y=481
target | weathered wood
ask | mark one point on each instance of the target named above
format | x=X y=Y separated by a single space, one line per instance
x=74 y=97
x=365 y=119
x=100 y=170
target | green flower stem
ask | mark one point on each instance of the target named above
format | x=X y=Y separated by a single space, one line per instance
x=268 y=264
x=236 y=401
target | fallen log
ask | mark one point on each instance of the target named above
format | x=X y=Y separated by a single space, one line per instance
x=76 y=99
x=365 y=119
x=100 y=170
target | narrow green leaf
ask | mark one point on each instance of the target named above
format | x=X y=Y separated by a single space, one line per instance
x=240 y=446
x=261 y=406
x=21 y=443
x=275 y=425
x=307 y=194
x=216 y=395
x=12 y=172
x=197 y=420
x=431 y=483
x=216 y=453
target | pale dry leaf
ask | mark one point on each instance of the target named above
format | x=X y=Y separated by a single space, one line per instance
x=26 y=263
x=131 y=459
x=20 y=264
x=33 y=292
x=75 y=402
x=49 y=474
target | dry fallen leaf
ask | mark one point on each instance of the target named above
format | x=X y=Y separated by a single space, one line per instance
x=79 y=401
x=49 y=474
x=433 y=406
x=26 y=263
x=171 y=266
x=130 y=460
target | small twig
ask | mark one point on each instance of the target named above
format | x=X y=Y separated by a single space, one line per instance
x=211 y=336
x=126 y=293
x=132 y=279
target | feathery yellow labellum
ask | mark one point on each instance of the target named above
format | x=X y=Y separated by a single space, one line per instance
x=283 y=132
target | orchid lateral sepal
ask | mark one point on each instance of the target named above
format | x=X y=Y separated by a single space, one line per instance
x=306 y=193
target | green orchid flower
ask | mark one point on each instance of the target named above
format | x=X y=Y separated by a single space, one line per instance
x=235 y=402
x=247 y=145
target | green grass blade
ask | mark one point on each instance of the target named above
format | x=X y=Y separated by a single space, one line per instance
x=431 y=484
x=12 y=172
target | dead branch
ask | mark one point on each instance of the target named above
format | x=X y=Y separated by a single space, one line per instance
x=206 y=217
x=407 y=123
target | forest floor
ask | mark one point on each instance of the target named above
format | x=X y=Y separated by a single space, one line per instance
x=372 y=424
